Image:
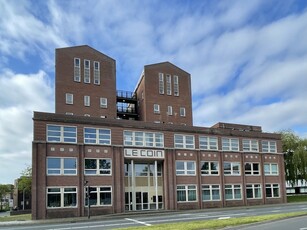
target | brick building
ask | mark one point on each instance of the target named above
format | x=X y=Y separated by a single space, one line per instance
x=139 y=150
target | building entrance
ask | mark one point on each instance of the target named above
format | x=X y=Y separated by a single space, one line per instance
x=143 y=186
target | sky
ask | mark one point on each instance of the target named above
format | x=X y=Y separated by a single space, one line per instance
x=247 y=59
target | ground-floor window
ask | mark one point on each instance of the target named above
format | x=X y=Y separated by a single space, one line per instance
x=233 y=192
x=272 y=190
x=211 y=192
x=253 y=191
x=61 y=197
x=186 y=193
x=99 y=196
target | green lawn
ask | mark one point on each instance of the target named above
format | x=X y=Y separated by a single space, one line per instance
x=16 y=218
x=296 y=198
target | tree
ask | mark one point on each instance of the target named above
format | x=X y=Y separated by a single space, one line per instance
x=4 y=190
x=25 y=183
x=295 y=152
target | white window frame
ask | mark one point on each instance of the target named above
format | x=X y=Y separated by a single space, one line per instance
x=103 y=102
x=168 y=84
x=272 y=187
x=176 y=85
x=97 y=136
x=161 y=83
x=208 y=143
x=62 y=193
x=183 y=141
x=96 y=73
x=269 y=171
x=69 y=98
x=209 y=171
x=61 y=170
x=269 y=146
x=97 y=171
x=233 y=188
x=87 y=71
x=156 y=108
x=143 y=139
x=185 y=170
x=61 y=138
x=254 y=188
x=232 y=171
x=98 y=190
x=87 y=101
x=187 y=189
x=252 y=171
x=77 y=70
x=169 y=110
x=230 y=144
x=211 y=188
x=250 y=145
x=182 y=112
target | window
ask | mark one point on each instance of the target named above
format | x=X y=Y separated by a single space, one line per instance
x=156 y=108
x=161 y=83
x=250 y=146
x=233 y=192
x=230 y=144
x=186 y=193
x=77 y=75
x=103 y=102
x=185 y=168
x=61 y=166
x=211 y=192
x=87 y=101
x=252 y=169
x=69 y=98
x=169 y=110
x=57 y=133
x=209 y=168
x=269 y=146
x=143 y=139
x=182 y=111
x=232 y=168
x=61 y=197
x=253 y=191
x=97 y=166
x=99 y=196
x=168 y=84
x=87 y=73
x=272 y=190
x=270 y=169
x=96 y=73
x=208 y=143
x=97 y=136
x=184 y=141
x=176 y=86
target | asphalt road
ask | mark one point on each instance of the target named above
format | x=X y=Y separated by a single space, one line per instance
x=148 y=219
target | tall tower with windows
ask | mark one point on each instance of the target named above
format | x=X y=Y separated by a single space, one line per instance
x=85 y=82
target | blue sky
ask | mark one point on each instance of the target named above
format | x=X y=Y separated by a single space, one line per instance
x=247 y=59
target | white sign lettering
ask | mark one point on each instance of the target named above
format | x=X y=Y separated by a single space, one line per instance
x=144 y=153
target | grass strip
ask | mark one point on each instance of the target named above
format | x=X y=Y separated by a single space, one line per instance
x=22 y=217
x=218 y=224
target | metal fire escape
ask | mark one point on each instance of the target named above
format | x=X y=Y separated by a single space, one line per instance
x=126 y=103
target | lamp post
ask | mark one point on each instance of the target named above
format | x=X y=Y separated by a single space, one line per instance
x=23 y=199
x=88 y=198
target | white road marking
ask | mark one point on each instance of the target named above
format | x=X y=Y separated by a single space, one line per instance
x=139 y=222
x=224 y=218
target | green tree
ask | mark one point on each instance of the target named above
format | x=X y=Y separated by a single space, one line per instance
x=4 y=189
x=295 y=151
x=25 y=181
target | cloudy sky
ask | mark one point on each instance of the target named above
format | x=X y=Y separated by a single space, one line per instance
x=247 y=59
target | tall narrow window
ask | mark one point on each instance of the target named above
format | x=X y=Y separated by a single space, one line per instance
x=87 y=101
x=169 y=110
x=168 y=84
x=156 y=108
x=87 y=73
x=182 y=112
x=96 y=73
x=77 y=72
x=176 y=85
x=69 y=98
x=103 y=102
x=161 y=83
